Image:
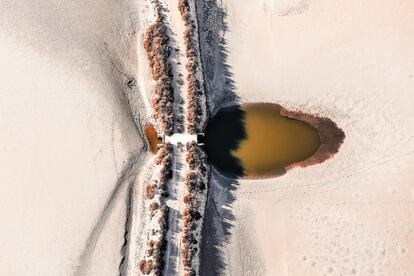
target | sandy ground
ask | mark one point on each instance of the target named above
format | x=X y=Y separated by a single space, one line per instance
x=353 y=62
x=71 y=145
x=67 y=135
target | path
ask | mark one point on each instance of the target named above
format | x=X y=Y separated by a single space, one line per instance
x=180 y=137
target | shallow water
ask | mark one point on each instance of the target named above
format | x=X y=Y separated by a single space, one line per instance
x=256 y=141
x=152 y=138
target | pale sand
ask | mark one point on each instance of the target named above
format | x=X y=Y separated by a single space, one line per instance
x=351 y=61
x=66 y=135
x=65 y=138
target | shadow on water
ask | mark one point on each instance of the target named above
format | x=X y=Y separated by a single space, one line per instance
x=223 y=135
x=220 y=92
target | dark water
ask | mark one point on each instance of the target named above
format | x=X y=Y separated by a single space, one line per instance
x=256 y=141
x=223 y=135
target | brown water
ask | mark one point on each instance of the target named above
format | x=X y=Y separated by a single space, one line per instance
x=152 y=138
x=256 y=141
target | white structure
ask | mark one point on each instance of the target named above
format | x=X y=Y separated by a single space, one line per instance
x=183 y=138
x=176 y=138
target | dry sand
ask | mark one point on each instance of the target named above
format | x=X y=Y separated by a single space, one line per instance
x=67 y=138
x=351 y=61
x=66 y=135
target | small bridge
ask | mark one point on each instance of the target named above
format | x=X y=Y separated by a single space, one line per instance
x=182 y=138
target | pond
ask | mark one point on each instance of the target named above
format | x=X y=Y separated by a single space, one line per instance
x=152 y=138
x=257 y=141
